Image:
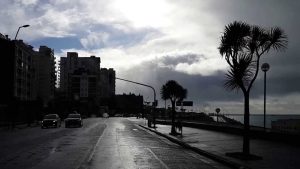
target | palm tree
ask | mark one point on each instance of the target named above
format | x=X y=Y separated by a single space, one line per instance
x=175 y=92
x=242 y=46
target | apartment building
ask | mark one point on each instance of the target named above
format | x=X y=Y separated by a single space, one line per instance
x=17 y=71
x=26 y=74
x=45 y=72
x=82 y=78
x=108 y=82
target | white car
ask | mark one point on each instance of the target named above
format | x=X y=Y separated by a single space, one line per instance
x=73 y=120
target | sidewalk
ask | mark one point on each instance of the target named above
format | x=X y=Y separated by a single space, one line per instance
x=276 y=155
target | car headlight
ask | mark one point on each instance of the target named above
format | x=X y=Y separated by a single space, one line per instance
x=54 y=121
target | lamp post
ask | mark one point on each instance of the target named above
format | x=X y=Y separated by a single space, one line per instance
x=24 y=26
x=218 y=111
x=265 y=67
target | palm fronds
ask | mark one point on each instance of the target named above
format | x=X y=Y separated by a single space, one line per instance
x=242 y=45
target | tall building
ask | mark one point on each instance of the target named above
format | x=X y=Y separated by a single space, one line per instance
x=26 y=74
x=82 y=79
x=45 y=72
x=80 y=76
x=17 y=71
x=108 y=82
x=26 y=77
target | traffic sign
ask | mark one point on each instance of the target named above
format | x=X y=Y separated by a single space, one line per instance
x=185 y=103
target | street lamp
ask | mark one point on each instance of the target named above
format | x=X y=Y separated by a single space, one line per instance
x=218 y=111
x=154 y=96
x=265 y=67
x=24 y=26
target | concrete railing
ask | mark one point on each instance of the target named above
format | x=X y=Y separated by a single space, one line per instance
x=255 y=132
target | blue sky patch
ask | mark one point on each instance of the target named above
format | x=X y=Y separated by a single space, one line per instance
x=58 y=43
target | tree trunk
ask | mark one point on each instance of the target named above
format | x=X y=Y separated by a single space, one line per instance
x=173 y=131
x=165 y=109
x=246 y=139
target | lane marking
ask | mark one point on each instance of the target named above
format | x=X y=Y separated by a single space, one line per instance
x=161 y=162
x=100 y=138
x=84 y=164
x=53 y=150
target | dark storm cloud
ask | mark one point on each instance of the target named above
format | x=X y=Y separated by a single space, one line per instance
x=175 y=60
x=97 y=27
x=205 y=89
x=284 y=76
x=201 y=89
x=278 y=85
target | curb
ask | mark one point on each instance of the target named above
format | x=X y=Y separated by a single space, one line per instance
x=218 y=158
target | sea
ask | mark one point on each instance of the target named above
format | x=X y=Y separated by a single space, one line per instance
x=258 y=119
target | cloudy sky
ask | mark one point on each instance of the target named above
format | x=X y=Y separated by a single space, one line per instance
x=152 y=41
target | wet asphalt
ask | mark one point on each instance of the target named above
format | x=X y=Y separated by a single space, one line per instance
x=112 y=143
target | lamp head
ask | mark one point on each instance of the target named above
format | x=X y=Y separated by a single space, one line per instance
x=265 y=67
x=24 y=26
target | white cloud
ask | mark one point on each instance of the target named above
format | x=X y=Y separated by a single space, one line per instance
x=143 y=13
x=205 y=66
x=164 y=27
x=55 y=23
x=95 y=39
x=27 y=2
x=179 y=32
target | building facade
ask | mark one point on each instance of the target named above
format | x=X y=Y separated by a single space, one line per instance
x=84 y=84
x=27 y=75
x=45 y=72
x=80 y=76
x=17 y=71
x=108 y=82
x=127 y=104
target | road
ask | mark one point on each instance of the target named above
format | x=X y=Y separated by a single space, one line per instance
x=101 y=143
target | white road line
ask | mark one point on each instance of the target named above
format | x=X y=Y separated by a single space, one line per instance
x=53 y=150
x=94 y=149
x=161 y=162
x=82 y=165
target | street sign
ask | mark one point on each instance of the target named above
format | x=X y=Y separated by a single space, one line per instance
x=185 y=103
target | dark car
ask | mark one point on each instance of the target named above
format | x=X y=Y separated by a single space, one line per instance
x=73 y=120
x=51 y=120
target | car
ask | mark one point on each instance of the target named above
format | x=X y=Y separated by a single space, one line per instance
x=51 y=120
x=73 y=120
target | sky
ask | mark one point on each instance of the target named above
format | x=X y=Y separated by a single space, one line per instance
x=153 y=41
